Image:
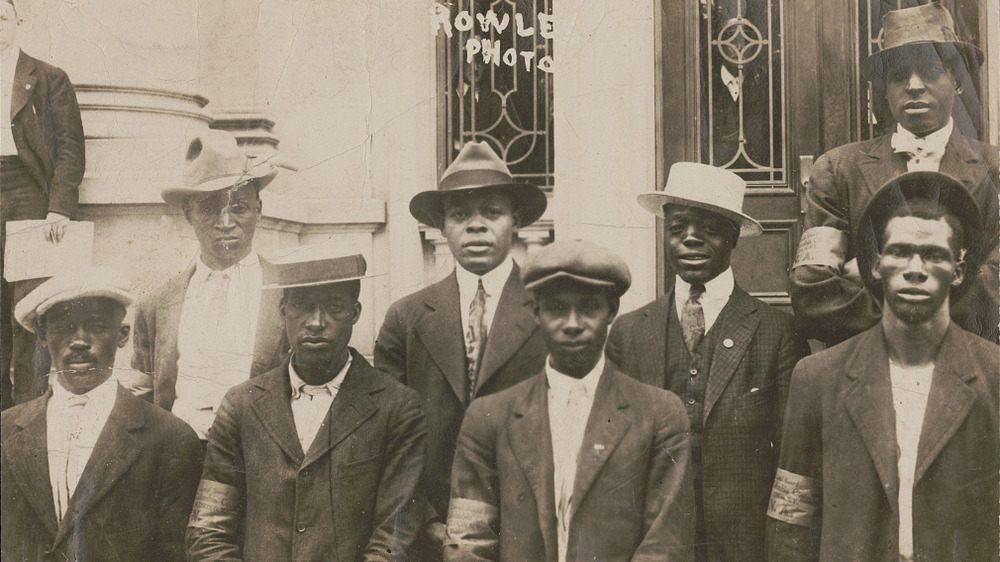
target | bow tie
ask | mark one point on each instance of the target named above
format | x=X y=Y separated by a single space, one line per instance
x=923 y=147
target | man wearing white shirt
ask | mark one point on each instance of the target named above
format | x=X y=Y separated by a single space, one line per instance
x=91 y=472
x=203 y=332
x=921 y=68
x=321 y=458
x=891 y=444
x=579 y=462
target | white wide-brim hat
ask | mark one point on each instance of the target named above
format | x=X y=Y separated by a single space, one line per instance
x=215 y=162
x=69 y=286
x=706 y=187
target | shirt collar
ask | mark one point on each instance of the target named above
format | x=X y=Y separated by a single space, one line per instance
x=561 y=384
x=717 y=289
x=493 y=281
x=103 y=393
x=202 y=270
x=938 y=138
x=332 y=386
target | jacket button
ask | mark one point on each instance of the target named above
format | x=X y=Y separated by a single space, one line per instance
x=301 y=528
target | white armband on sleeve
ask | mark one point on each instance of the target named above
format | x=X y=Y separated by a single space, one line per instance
x=822 y=245
x=471 y=523
x=795 y=499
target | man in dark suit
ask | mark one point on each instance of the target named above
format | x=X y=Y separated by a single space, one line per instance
x=580 y=462
x=321 y=458
x=41 y=167
x=892 y=445
x=472 y=333
x=210 y=328
x=728 y=355
x=918 y=71
x=90 y=472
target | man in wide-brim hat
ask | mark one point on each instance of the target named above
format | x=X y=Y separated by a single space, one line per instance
x=920 y=68
x=726 y=354
x=211 y=327
x=472 y=333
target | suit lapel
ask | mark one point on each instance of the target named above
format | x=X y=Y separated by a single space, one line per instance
x=269 y=331
x=352 y=406
x=24 y=83
x=168 y=318
x=737 y=324
x=26 y=453
x=531 y=441
x=868 y=401
x=962 y=162
x=948 y=402
x=441 y=332
x=274 y=412
x=651 y=341
x=115 y=450
x=876 y=164
x=606 y=427
x=513 y=324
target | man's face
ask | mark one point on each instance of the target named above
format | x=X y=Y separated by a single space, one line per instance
x=480 y=229
x=319 y=321
x=920 y=92
x=8 y=25
x=82 y=337
x=224 y=223
x=574 y=319
x=917 y=267
x=698 y=242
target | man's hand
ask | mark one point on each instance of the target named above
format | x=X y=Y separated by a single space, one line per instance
x=55 y=227
x=852 y=273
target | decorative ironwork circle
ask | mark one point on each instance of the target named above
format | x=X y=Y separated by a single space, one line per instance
x=739 y=41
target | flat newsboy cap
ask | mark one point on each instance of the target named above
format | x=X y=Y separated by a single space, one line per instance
x=214 y=162
x=311 y=265
x=577 y=260
x=69 y=286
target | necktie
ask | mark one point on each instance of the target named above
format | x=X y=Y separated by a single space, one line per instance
x=693 y=318
x=71 y=472
x=475 y=337
x=311 y=390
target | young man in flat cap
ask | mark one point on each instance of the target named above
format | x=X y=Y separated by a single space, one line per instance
x=321 y=458
x=580 y=462
x=891 y=447
x=89 y=471
x=472 y=333
x=728 y=355
x=211 y=327
x=919 y=70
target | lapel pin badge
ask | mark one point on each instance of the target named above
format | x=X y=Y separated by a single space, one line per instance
x=598 y=447
x=727 y=342
x=27 y=86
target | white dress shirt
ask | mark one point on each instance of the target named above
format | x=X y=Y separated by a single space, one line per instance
x=717 y=293
x=570 y=402
x=926 y=152
x=215 y=338
x=493 y=282
x=910 y=387
x=70 y=444
x=8 y=66
x=311 y=404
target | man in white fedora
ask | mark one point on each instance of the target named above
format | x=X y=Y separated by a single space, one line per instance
x=203 y=331
x=472 y=333
x=918 y=72
x=728 y=356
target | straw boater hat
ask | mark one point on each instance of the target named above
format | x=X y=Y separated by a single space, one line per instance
x=69 y=286
x=312 y=265
x=476 y=168
x=706 y=187
x=215 y=162
x=580 y=261
x=928 y=24
x=935 y=186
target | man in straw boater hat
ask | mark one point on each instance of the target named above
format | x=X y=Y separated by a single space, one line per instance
x=729 y=357
x=919 y=70
x=891 y=445
x=89 y=471
x=579 y=462
x=211 y=327
x=472 y=333
x=322 y=457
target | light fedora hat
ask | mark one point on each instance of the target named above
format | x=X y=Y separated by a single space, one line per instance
x=706 y=187
x=215 y=162
x=477 y=167
x=927 y=24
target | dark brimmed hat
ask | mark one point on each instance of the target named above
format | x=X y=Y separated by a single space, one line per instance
x=577 y=260
x=928 y=24
x=476 y=168
x=309 y=266
x=215 y=162
x=943 y=189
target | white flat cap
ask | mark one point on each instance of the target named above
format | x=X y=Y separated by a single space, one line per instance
x=68 y=286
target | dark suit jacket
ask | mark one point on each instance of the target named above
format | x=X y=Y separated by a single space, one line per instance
x=155 y=338
x=48 y=132
x=351 y=496
x=422 y=344
x=840 y=431
x=632 y=497
x=133 y=499
x=742 y=426
x=832 y=308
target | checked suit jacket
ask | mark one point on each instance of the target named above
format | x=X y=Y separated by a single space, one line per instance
x=756 y=350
